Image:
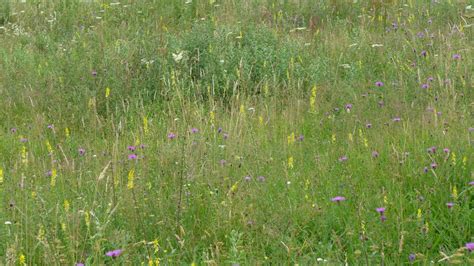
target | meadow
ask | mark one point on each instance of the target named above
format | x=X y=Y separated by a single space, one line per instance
x=236 y=132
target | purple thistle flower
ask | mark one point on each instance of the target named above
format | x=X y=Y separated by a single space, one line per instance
x=383 y=218
x=94 y=73
x=471 y=129
x=425 y=86
x=219 y=130
x=132 y=156
x=456 y=56
x=171 y=136
x=430 y=79
x=226 y=136
x=420 y=34
x=80 y=264
x=368 y=125
x=379 y=84
x=23 y=140
x=194 y=130
x=434 y=165
x=348 y=107
x=394 y=25
x=301 y=138
x=412 y=257
x=425 y=169
x=450 y=205
x=375 y=154
x=261 y=178
x=446 y=150
x=431 y=150
x=338 y=199
x=342 y=158
x=424 y=53
x=247 y=178
x=114 y=253
x=131 y=148
x=51 y=126
x=222 y=162
x=81 y=151
x=397 y=119
x=13 y=130
x=470 y=246
x=380 y=210
x=142 y=146
x=471 y=183
x=439 y=113
x=49 y=173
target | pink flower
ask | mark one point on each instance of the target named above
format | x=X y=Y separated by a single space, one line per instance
x=114 y=253
x=338 y=199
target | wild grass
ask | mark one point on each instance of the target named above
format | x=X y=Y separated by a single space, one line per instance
x=220 y=132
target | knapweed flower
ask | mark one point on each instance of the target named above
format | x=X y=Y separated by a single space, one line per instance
x=425 y=86
x=375 y=154
x=194 y=130
x=81 y=151
x=383 y=218
x=450 y=205
x=51 y=126
x=397 y=119
x=261 y=178
x=222 y=162
x=379 y=84
x=446 y=150
x=301 y=138
x=380 y=210
x=456 y=56
x=94 y=73
x=226 y=136
x=342 y=158
x=13 y=130
x=219 y=130
x=424 y=53
x=412 y=257
x=131 y=148
x=420 y=34
x=79 y=264
x=434 y=165
x=471 y=183
x=114 y=253
x=431 y=150
x=430 y=79
x=247 y=178
x=425 y=169
x=132 y=156
x=338 y=199
x=470 y=246
x=171 y=136
x=368 y=125
x=348 y=107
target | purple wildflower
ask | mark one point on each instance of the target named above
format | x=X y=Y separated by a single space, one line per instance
x=412 y=257
x=338 y=199
x=368 y=125
x=131 y=148
x=13 y=130
x=132 y=156
x=49 y=173
x=247 y=178
x=383 y=218
x=80 y=264
x=81 y=151
x=301 y=138
x=456 y=56
x=450 y=205
x=471 y=183
x=431 y=150
x=375 y=154
x=142 y=146
x=171 y=136
x=425 y=86
x=348 y=107
x=261 y=178
x=434 y=165
x=379 y=84
x=226 y=136
x=430 y=79
x=94 y=73
x=114 y=253
x=425 y=169
x=51 y=126
x=380 y=210
x=446 y=150
x=397 y=119
x=342 y=158
x=470 y=246
x=222 y=162
x=194 y=130
x=420 y=34
x=424 y=53
x=219 y=130
x=23 y=140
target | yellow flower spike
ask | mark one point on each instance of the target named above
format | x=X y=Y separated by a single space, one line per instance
x=137 y=141
x=212 y=117
x=290 y=162
x=427 y=227
x=53 y=177
x=455 y=193
x=131 y=177
x=87 y=219
x=157 y=262
x=66 y=205
x=242 y=109
x=291 y=138
x=1 y=176
x=107 y=92
x=33 y=194
x=49 y=147
x=150 y=262
x=145 y=125
x=265 y=87
x=22 y=259
x=24 y=155
x=464 y=162
x=312 y=99
x=234 y=187
x=91 y=103
x=419 y=214
x=63 y=226
x=366 y=143
x=193 y=264
x=156 y=246
x=453 y=158
x=67 y=132
x=333 y=138
x=385 y=200
x=362 y=226
x=350 y=137
x=260 y=120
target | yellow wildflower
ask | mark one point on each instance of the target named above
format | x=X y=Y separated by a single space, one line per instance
x=131 y=177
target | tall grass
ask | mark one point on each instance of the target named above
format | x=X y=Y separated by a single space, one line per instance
x=218 y=132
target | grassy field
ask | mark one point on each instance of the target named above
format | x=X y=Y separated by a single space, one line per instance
x=239 y=132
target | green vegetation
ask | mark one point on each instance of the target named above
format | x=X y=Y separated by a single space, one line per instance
x=223 y=132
